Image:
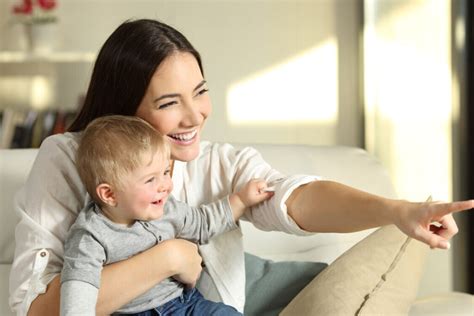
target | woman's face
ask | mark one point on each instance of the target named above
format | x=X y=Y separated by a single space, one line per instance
x=177 y=104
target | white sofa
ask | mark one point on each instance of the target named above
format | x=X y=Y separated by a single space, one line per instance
x=351 y=166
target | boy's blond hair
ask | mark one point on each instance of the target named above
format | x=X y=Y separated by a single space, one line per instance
x=113 y=146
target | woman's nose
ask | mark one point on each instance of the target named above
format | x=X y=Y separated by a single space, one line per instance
x=192 y=116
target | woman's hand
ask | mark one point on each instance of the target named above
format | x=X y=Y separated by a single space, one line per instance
x=430 y=222
x=184 y=258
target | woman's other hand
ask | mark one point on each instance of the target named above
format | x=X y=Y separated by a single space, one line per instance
x=430 y=222
x=184 y=259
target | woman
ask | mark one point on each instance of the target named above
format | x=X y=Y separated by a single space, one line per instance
x=149 y=69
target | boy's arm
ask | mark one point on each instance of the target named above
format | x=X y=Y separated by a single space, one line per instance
x=84 y=257
x=199 y=224
x=78 y=298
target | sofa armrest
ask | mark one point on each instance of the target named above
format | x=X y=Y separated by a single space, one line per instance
x=453 y=303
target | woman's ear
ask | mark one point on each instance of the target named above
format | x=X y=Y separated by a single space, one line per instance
x=106 y=194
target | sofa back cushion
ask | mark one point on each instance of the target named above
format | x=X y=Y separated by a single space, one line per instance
x=348 y=165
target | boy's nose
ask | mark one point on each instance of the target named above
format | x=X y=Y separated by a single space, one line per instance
x=164 y=186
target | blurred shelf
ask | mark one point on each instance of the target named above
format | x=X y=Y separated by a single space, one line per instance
x=53 y=57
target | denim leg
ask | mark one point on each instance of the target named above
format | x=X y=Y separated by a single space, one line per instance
x=150 y=312
x=175 y=307
x=198 y=305
x=191 y=303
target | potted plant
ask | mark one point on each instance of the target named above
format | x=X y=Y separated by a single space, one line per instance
x=40 y=20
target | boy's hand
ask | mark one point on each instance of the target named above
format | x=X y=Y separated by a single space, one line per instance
x=254 y=192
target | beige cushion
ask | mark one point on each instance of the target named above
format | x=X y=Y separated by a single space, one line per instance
x=379 y=275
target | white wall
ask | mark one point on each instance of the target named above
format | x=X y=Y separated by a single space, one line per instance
x=294 y=62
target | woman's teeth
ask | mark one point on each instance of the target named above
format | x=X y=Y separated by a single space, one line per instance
x=184 y=136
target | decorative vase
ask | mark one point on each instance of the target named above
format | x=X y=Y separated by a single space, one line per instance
x=42 y=37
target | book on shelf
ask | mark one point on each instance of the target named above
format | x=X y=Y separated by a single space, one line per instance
x=27 y=129
x=1 y=129
x=48 y=124
x=11 y=118
x=23 y=132
x=37 y=132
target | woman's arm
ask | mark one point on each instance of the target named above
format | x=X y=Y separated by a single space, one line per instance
x=125 y=280
x=47 y=303
x=325 y=206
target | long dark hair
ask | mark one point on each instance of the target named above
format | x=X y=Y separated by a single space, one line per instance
x=125 y=66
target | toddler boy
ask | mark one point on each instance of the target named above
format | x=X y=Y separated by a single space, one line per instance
x=125 y=166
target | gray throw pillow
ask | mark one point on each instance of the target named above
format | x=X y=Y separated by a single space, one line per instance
x=270 y=286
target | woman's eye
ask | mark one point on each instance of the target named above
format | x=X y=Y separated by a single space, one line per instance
x=167 y=172
x=164 y=106
x=201 y=92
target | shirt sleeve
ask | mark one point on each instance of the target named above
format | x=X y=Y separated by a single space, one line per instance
x=206 y=221
x=78 y=298
x=47 y=206
x=244 y=164
x=273 y=214
x=84 y=257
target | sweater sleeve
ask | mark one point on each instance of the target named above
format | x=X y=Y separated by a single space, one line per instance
x=47 y=206
x=78 y=298
x=84 y=257
x=201 y=223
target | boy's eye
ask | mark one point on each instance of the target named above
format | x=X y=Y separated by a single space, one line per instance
x=167 y=172
x=150 y=180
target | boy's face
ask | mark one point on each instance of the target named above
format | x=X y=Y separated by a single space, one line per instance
x=144 y=193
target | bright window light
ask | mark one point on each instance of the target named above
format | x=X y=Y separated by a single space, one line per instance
x=303 y=89
x=408 y=94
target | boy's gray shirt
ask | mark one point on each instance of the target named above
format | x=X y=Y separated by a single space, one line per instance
x=94 y=241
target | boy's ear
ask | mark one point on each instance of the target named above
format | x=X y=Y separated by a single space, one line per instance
x=106 y=194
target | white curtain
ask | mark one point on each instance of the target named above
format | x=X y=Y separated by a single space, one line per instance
x=408 y=100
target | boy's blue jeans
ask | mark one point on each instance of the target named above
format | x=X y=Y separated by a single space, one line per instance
x=191 y=302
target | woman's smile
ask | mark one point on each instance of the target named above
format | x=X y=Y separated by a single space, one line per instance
x=186 y=138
